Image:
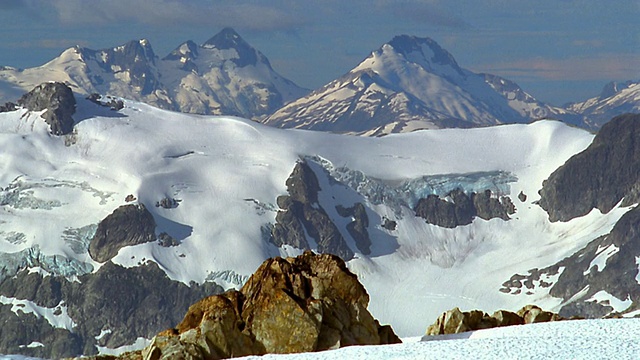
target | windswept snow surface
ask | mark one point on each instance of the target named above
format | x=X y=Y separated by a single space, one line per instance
x=226 y=174
x=585 y=339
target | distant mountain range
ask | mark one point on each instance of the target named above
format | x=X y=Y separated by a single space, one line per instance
x=225 y=75
x=407 y=84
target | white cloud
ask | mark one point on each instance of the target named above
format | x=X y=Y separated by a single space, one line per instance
x=597 y=67
x=167 y=13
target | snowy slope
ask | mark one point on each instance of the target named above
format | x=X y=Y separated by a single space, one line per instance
x=225 y=75
x=583 y=339
x=226 y=174
x=588 y=339
x=615 y=99
x=409 y=83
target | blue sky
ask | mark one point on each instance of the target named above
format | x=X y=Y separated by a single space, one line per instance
x=558 y=50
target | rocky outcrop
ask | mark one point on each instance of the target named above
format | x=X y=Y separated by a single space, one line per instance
x=602 y=175
x=458 y=208
x=308 y=303
x=301 y=212
x=455 y=321
x=58 y=101
x=111 y=307
x=357 y=228
x=597 y=268
x=128 y=225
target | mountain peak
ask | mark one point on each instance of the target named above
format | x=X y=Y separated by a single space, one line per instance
x=228 y=39
x=417 y=48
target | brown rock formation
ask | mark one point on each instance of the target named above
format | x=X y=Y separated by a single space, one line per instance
x=455 y=321
x=308 y=303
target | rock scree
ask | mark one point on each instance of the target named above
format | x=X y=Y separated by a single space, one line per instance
x=308 y=303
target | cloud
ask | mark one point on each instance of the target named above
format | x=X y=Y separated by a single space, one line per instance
x=49 y=43
x=427 y=12
x=604 y=67
x=167 y=13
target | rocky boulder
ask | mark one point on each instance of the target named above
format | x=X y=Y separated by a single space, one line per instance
x=600 y=176
x=308 y=303
x=128 y=225
x=58 y=101
x=455 y=321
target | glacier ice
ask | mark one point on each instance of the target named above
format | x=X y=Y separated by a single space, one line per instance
x=399 y=193
x=12 y=263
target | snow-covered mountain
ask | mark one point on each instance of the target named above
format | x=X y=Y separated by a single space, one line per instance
x=427 y=220
x=225 y=75
x=411 y=83
x=615 y=99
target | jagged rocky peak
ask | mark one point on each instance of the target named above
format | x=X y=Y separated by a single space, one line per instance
x=187 y=50
x=58 y=101
x=229 y=39
x=600 y=176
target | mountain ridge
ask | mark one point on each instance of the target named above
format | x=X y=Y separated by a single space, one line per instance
x=409 y=83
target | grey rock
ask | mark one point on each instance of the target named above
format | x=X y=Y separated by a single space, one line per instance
x=358 y=227
x=7 y=107
x=600 y=176
x=129 y=302
x=58 y=101
x=128 y=225
x=301 y=210
x=459 y=208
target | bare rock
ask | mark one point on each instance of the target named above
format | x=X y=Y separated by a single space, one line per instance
x=301 y=212
x=455 y=321
x=128 y=225
x=58 y=101
x=533 y=314
x=308 y=303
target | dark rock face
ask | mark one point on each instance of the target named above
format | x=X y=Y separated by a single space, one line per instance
x=358 y=227
x=135 y=57
x=614 y=273
x=57 y=98
x=455 y=321
x=7 y=107
x=308 y=303
x=301 y=211
x=127 y=303
x=599 y=177
x=128 y=225
x=462 y=208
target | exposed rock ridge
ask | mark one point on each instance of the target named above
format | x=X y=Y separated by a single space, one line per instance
x=302 y=213
x=599 y=177
x=455 y=321
x=58 y=101
x=596 y=268
x=308 y=303
x=110 y=308
x=463 y=208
